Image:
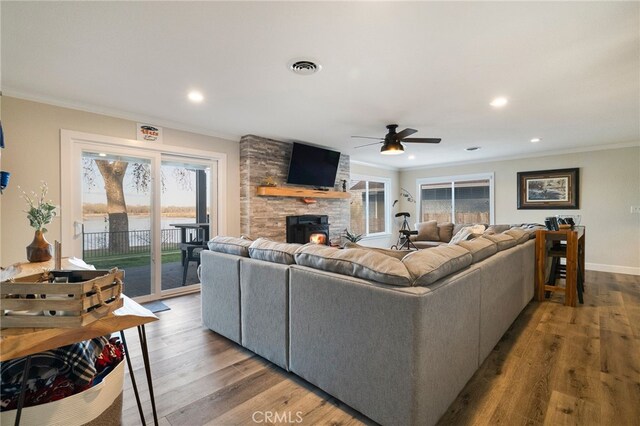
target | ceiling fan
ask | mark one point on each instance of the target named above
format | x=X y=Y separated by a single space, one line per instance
x=391 y=143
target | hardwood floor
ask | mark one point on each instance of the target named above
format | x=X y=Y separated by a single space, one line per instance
x=556 y=365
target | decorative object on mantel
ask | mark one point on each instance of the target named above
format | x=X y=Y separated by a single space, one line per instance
x=344 y=185
x=40 y=213
x=268 y=181
x=549 y=189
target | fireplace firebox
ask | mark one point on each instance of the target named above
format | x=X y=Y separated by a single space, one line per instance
x=308 y=228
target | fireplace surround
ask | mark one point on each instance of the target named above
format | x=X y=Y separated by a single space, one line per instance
x=308 y=228
x=260 y=216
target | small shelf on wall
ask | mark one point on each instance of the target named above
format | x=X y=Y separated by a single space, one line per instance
x=278 y=191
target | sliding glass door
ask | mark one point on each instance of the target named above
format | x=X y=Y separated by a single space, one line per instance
x=146 y=211
x=186 y=221
x=116 y=216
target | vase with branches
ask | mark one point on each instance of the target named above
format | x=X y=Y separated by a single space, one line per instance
x=40 y=212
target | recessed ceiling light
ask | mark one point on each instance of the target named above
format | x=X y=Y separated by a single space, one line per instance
x=499 y=102
x=535 y=140
x=102 y=154
x=472 y=148
x=195 y=96
x=411 y=157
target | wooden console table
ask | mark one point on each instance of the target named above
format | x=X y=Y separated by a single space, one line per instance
x=24 y=342
x=575 y=248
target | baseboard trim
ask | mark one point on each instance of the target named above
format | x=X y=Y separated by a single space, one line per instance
x=630 y=270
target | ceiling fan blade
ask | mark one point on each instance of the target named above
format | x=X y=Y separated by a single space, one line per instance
x=367 y=137
x=422 y=140
x=403 y=134
x=369 y=144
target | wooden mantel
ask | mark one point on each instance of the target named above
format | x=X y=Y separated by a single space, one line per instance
x=278 y=191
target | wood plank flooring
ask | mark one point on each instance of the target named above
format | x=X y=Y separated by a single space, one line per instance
x=556 y=365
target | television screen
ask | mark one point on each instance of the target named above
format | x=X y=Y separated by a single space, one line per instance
x=313 y=166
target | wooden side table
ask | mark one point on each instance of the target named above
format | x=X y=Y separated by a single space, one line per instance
x=575 y=249
x=24 y=342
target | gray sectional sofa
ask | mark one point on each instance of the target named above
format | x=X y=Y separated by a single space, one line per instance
x=396 y=339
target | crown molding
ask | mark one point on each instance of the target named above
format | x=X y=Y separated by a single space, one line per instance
x=125 y=115
x=523 y=156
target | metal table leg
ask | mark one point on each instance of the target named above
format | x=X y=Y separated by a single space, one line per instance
x=147 y=368
x=133 y=377
x=23 y=389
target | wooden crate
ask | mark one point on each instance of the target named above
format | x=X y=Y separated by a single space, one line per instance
x=85 y=298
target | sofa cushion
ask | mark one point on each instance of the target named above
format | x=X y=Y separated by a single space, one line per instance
x=445 y=231
x=273 y=251
x=480 y=248
x=361 y=263
x=497 y=229
x=519 y=234
x=504 y=241
x=230 y=245
x=398 y=254
x=427 y=231
x=427 y=244
x=428 y=266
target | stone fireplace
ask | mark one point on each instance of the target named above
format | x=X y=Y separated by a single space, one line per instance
x=266 y=216
x=308 y=228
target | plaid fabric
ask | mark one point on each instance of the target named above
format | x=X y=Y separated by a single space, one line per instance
x=77 y=361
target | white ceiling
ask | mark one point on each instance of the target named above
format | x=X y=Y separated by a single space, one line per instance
x=570 y=70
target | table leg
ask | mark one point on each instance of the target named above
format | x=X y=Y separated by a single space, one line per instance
x=147 y=368
x=23 y=389
x=133 y=377
x=541 y=258
x=571 y=270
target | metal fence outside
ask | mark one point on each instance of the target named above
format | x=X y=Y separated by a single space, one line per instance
x=97 y=244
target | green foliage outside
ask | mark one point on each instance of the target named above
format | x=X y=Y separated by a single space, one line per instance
x=130 y=261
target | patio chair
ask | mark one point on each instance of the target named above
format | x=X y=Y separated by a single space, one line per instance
x=190 y=253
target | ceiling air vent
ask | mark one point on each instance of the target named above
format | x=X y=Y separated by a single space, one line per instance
x=304 y=67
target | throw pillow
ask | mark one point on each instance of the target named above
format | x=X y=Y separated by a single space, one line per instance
x=230 y=245
x=360 y=263
x=272 y=251
x=428 y=266
x=428 y=231
x=461 y=235
x=466 y=233
x=445 y=231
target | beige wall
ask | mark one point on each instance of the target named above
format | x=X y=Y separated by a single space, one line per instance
x=609 y=186
x=360 y=169
x=32 y=154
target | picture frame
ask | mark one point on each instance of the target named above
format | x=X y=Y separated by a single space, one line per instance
x=549 y=189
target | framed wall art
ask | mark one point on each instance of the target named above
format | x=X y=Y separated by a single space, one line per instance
x=549 y=189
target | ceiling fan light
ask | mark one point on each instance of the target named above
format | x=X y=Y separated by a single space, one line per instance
x=392 y=149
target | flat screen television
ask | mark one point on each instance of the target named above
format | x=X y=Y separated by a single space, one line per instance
x=313 y=166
